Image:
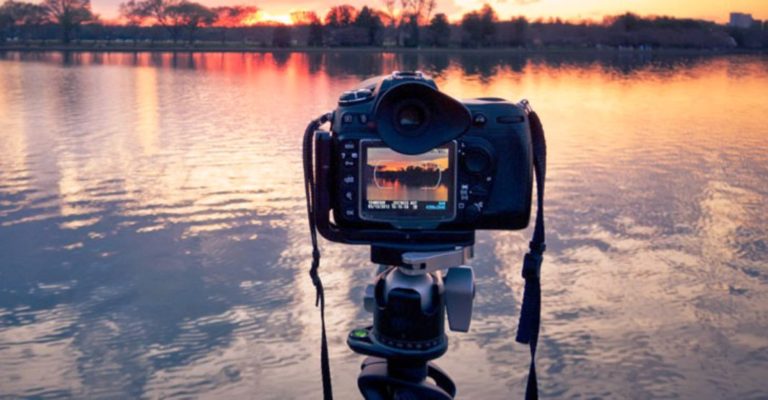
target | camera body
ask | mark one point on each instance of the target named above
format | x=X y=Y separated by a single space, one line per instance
x=406 y=164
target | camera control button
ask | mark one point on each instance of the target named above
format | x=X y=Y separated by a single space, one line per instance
x=349 y=180
x=510 y=119
x=363 y=94
x=349 y=162
x=349 y=212
x=473 y=211
x=349 y=195
x=363 y=118
x=347 y=118
x=479 y=119
x=347 y=97
x=476 y=160
x=349 y=145
x=464 y=192
x=478 y=191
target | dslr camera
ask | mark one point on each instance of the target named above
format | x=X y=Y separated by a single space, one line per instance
x=413 y=173
x=407 y=165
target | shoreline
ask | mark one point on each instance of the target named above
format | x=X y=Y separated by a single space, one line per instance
x=239 y=48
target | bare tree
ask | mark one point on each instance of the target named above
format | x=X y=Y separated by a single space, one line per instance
x=421 y=9
x=232 y=16
x=155 y=10
x=134 y=15
x=389 y=5
x=190 y=16
x=69 y=15
x=339 y=16
x=133 y=12
x=430 y=7
x=17 y=18
x=412 y=14
x=303 y=17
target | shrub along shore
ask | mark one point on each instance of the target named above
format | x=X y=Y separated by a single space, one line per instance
x=216 y=47
x=181 y=25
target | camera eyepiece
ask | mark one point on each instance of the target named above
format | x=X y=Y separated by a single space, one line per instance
x=413 y=117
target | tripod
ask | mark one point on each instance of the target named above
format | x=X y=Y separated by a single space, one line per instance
x=409 y=300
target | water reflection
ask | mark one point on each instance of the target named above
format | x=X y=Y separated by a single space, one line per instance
x=153 y=241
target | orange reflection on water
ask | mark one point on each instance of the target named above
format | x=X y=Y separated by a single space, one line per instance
x=223 y=127
x=188 y=166
x=147 y=108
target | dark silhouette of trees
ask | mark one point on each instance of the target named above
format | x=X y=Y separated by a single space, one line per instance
x=281 y=36
x=133 y=15
x=6 y=22
x=69 y=15
x=410 y=26
x=303 y=17
x=488 y=21
x=228 y=17
x=519 y=33
x=470 y=23
x=190 y=16
x=424 y=175
x=340 y=16
x=315 y=36
x=158 y=12
x=132 y=12
x=440 y=30
x=369 y=21
x=346 y=26
x=17 y=18
x=173 y=15
x=400 y=22
x=413 y=13
x=421 y=10
x=233 y=16
x=154 y=10
x=480 y=27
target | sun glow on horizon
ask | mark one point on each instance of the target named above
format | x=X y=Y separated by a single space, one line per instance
x=279 y=12
x=266 y=18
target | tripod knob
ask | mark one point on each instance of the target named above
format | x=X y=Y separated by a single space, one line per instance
x=369 y=300
x=459 y=286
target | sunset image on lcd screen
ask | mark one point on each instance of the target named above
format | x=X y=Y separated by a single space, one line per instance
x=392 y=176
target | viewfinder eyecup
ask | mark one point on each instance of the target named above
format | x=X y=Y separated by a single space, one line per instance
x=414 y=118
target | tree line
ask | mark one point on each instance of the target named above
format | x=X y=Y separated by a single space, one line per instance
x=398 y=23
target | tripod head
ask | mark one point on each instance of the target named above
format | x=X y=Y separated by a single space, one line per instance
x=409 y=301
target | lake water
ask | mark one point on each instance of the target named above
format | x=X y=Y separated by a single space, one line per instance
x=153 y=240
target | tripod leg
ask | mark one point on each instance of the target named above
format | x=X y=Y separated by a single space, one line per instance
x=441 y=379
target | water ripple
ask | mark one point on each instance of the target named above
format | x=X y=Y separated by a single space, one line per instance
x=154 y=244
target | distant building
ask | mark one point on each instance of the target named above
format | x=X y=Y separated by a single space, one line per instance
x=741 y=20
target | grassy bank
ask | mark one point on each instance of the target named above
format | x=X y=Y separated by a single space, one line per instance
x=248 y=48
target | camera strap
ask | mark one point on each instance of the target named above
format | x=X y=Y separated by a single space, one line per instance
x=530 y=312
x=309 y=189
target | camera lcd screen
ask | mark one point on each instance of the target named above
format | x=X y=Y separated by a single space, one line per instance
x=407 y=187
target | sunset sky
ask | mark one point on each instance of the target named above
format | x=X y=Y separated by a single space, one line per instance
x=392 y=161
x=716 y=10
